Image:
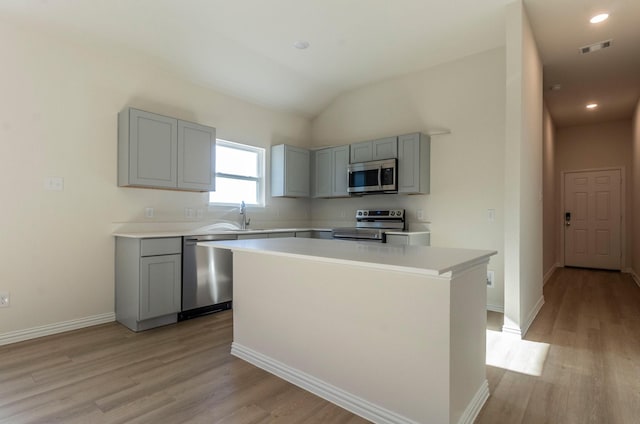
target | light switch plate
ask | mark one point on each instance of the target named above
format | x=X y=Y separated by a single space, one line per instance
x=4 y=299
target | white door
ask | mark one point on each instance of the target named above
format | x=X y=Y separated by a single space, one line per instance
x=592 y=213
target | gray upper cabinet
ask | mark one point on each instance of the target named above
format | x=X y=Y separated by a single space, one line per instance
x=383 y=148
x=196 y=157
x=323 y=180
x=414 y=152
x=339 y=162
x=330 y=167
x=289 y=171
x=162 y=152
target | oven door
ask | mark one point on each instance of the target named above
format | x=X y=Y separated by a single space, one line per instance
x=374 y=176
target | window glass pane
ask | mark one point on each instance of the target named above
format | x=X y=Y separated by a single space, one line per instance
x=236 y=161
x=229 y=190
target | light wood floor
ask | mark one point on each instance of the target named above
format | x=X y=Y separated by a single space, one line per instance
x=591 y=322
x=184 y=373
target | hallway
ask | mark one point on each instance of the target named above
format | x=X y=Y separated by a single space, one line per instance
x=591 y=374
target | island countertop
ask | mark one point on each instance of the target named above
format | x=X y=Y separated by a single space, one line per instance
x=411 y=259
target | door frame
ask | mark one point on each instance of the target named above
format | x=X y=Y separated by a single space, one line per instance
x=623 y=210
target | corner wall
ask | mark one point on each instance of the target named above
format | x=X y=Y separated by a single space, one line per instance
x=465 y=96
x=549 y=203
x=58 y=110
x=523 y=174
x=635 y=261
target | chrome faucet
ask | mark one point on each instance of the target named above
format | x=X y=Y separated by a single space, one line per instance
x=244 y=222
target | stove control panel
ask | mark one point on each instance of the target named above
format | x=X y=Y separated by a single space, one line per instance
x=381 y=214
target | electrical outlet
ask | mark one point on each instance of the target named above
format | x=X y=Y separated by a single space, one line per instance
x=188 y=212
x=4 y=299
x=148 y=212
x=54 y=183
x=420 y=214
x=491 y=215
x=199 y=213
x=490 y=276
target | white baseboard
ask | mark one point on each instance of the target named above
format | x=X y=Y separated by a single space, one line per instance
x=473 y=409
x=342 y=398
x=635 y=276
x=549 y=273
x=59 y=327
x=320 y=388
x=520 y=331
x=495 y=308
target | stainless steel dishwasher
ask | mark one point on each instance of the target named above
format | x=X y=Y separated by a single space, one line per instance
x=207 y=277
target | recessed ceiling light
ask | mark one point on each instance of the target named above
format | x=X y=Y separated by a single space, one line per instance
x=599 y=18
x=592 y=106
x=301 y=45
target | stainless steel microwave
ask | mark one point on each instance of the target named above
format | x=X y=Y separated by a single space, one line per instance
x=378 y=176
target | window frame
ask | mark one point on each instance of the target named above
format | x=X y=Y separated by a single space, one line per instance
x=260 y=168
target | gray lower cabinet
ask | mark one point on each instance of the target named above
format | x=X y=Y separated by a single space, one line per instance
x=414 y=152
x=330 y=172
x=148 y=281
x=157 y=151
x=289 y=171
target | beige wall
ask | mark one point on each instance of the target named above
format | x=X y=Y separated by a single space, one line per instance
x=549 y=202
x=635 y=200
x=58 y=111
x=465 y=96
x=523 y=174
x=595 y=146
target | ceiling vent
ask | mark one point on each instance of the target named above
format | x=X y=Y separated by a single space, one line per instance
x=595 y=47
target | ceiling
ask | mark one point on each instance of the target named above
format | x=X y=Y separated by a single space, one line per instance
x=245 y=47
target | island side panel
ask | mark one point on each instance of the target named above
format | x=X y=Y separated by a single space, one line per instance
x=468 y=340
x=379 y=335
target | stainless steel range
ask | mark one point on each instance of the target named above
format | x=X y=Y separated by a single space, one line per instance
x=371 y=225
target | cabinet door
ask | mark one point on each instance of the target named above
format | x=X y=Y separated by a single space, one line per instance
x=153 y=149
x=159 y=286
x=413 y=163
x=361 y=152
x=323 y=173
x=296 y=172
x=196 y=156
x=340 y=160
x=385 y=148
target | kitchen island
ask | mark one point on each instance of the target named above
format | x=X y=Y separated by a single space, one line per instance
x=396 y=334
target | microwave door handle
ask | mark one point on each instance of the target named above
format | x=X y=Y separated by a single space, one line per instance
x=379 y=177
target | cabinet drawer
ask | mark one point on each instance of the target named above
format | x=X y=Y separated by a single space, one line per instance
x=161 y=246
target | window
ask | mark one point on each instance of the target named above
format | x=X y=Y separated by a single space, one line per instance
x=239 y=174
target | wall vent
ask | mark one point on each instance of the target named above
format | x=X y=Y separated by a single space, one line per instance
x=595 y=46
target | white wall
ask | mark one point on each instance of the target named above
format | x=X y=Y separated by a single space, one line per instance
x=635 y=232
x=523 y=174
x=58 y=111
x=549 y=203
x=467 y=177
x=602 y=145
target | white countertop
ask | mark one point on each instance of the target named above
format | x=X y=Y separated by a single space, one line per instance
x=413 y=259
x=198 y=232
